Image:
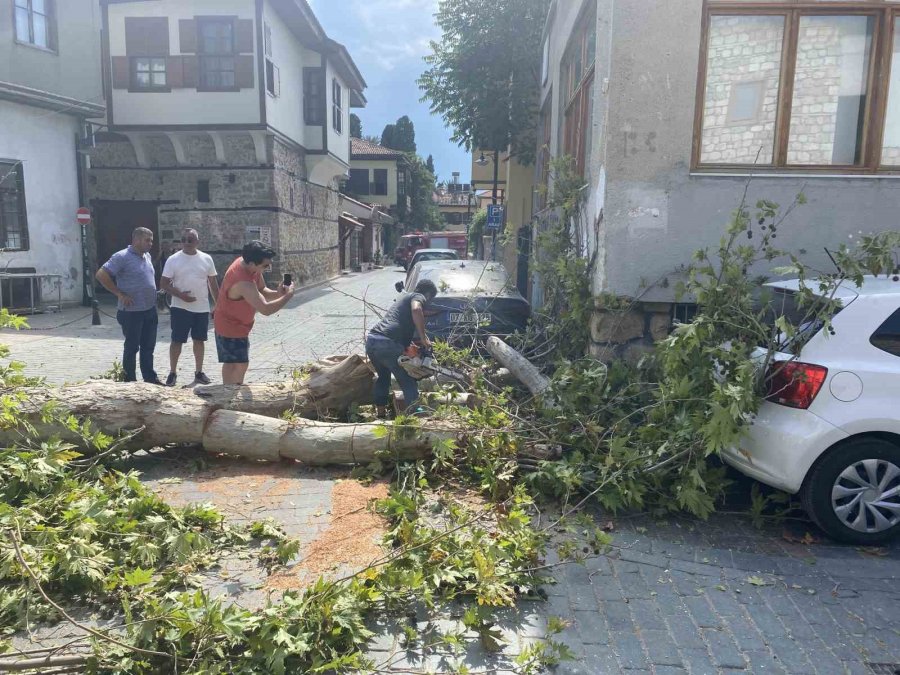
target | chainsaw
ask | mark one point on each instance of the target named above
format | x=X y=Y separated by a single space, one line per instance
x=419 y=362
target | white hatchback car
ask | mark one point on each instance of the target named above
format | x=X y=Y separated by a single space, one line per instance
x=830 y=427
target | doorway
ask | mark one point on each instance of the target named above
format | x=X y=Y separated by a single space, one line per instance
x=115 y=221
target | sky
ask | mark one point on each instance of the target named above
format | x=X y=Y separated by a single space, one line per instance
x=388 y=39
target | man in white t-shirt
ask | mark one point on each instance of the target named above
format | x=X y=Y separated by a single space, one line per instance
x=189 y=277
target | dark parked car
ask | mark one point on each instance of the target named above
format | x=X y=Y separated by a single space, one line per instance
x=475 y=299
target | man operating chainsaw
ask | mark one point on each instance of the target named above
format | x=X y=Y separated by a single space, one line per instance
x=389 y=338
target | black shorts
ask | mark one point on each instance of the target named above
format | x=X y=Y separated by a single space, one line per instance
x=184 y=323
x=233 y=350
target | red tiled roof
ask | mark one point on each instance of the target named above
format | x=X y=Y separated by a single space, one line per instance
x=362 y=149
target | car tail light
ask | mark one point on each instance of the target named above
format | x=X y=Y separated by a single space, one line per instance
x=795 y=384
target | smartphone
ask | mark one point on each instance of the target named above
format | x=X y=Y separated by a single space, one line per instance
x=288 y=280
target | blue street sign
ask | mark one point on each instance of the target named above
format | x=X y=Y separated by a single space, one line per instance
x=495 y=217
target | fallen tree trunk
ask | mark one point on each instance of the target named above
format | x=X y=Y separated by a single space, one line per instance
x=178 y=416
x=242 y=420
x=518 y=365
x=315 y=443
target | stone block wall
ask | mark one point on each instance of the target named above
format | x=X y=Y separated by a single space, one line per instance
x=628 y=333
x=308 y=220
x=273 y=201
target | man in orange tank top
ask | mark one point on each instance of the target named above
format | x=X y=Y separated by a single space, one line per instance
x=242 y=295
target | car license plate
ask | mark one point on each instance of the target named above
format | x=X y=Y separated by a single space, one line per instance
x=471 y=318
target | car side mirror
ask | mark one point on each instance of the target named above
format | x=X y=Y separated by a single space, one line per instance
x=399 y=286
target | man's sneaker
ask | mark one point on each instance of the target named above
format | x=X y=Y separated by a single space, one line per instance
x=157 y=381
x=171 y=379
x=201 y=377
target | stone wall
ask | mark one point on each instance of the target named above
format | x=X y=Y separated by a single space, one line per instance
x=308 y=220
x=628 y=333
x=272 y=202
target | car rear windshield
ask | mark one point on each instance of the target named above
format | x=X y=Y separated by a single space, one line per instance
x=786 y=303
x=887 y=337
x=469 y=281
x=435 y=256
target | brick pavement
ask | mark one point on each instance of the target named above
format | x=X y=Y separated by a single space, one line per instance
x=673 y=596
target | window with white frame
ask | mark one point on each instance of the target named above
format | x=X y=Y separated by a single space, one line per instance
x=148 y=73
x=805 y=87
x=36 y=23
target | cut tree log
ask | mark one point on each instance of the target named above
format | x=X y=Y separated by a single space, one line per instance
x=315 y=443
x=525 y=371
x=178 y=416
x=243 y=420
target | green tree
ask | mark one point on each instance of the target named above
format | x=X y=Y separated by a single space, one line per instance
x=429 y=164
x=355 y=126
x=400 y=135
x=484 y=74
x=423 y=213
x=405 y=135
x=387 y=136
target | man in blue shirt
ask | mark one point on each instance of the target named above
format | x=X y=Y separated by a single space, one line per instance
x=129 y=275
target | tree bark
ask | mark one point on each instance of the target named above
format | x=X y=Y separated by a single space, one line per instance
x=315 y=443
x=518 y=365
x=178 y=416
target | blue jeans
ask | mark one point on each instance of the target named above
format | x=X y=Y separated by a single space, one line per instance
x=383 y=355
x=139 y=329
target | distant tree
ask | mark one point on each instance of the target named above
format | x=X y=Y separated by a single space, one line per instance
x=400 y=135
x=387 y=136
x=375 y=140
x=429 y=163
x=484 y=75
x=355 y=126
x=423 y=212
x=404 y=135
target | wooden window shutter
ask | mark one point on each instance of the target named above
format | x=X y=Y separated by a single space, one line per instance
x=243 y=72
x=243 y=32
x=121 y=72
x=175 y=72
x=187 y=36
x=190 y=77
x=146 y=36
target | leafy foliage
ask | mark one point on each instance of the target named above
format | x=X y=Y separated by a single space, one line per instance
x=76 y=532
x=646 y=435
x=484 y=73
x=400 y=136
x=356 y=130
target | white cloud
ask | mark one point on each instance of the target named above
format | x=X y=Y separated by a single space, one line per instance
x=397 y=30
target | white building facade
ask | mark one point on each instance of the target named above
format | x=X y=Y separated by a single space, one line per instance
x=228 y=116
x=49 y=85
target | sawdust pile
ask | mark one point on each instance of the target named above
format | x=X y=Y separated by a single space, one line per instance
x=351 y=541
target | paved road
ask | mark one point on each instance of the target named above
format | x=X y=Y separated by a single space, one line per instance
x=674 y=596
x=328 y=319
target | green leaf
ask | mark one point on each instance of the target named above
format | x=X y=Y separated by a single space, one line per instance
x=138 y=577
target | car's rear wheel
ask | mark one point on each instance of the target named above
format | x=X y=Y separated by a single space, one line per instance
x=853 y=493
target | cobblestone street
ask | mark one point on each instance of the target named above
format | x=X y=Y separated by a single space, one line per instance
x=323 y=320
x=674 y=595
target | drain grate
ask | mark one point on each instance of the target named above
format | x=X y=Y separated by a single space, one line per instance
x=884 y=668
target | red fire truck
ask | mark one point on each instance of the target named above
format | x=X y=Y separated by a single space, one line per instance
x=410 y=243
